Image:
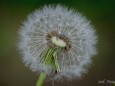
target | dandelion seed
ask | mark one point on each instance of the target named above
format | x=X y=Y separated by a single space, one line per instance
x=57 y=41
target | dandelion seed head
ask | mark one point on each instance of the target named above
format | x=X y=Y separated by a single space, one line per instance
x=75 y=33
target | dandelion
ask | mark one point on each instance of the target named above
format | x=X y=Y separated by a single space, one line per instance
x=57 y=42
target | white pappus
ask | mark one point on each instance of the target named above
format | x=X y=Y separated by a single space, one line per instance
x=57 y=26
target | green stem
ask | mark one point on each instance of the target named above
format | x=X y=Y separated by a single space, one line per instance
x=49 y=61
x=41 y=79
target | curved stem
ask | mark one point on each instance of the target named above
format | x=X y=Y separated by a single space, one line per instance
x=49 y=61
x=41 y=79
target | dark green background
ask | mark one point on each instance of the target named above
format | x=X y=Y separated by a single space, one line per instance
x=14 y=12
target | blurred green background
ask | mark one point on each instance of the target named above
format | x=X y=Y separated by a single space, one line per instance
x=14 y=12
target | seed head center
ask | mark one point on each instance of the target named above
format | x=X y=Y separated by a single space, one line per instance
x=58 y=42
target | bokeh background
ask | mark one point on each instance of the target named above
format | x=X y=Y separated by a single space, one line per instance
x=14 y=12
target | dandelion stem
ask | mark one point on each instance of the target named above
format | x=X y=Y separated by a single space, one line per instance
x=41 y=79
x=50 y=54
